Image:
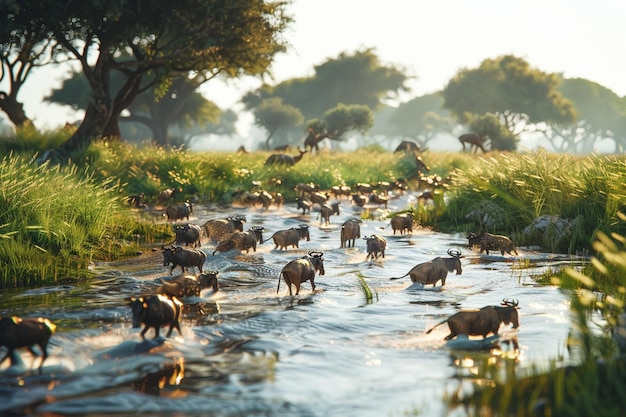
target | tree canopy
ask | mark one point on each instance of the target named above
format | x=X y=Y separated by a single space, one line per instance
x=511 y=89
x=150 y=47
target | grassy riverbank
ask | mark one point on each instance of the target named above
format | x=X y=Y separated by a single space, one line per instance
x=54 y=220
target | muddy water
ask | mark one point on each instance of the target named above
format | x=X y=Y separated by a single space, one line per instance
x=248 y=351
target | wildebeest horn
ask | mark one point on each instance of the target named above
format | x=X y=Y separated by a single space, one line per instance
x=316 y=254
x=257 y=228
x=303 y=226
x=454 y=253
x=510 y=303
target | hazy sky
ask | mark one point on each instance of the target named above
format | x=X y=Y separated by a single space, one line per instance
x=431 y=40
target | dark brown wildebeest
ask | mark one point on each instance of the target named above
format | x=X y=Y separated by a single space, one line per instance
x=474 y=140
x=179 y=211
x=436 y=269
x=16 y=332
x=301 y=270
x=376 y=246
x=350 y=231
x=290 y=237
x=184 y=257
x=402 y=223
x=488 y=242
x=156 y=311
x=284 y=159
x=481 y=322
x=189 y=285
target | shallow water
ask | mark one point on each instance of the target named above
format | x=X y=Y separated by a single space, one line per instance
x=247 y=350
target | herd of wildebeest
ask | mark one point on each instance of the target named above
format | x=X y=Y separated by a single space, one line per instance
x=164 y=307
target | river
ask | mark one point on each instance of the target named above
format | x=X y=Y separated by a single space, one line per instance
x=248 y=351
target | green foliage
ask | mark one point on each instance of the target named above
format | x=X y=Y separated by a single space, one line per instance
x=508 y=87
x=272 y=114
x=528 y=185
x=499 y=136
x=53 y=221
x=596 y=383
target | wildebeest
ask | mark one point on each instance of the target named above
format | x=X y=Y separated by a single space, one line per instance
x=305 y=189
x=179 y=211
x=488 y=242
x=137 y=200
x=188 y=235
x=328 y=210
x=340 y=190
x=481 y=322
x=184 y=257
x=242 y=240
x=376 y=246
x=189 y=285
x=156 y=311
x=474 y=140
x=359 y=199
x=319 y=198
x=436 y=269
x=402 y=222
x=350 y=231
x=301 y=270
x=284 y=159
x=168 y=194
x=16 y=332
x=219 y=229
x=290 y=237
x=407 y=146
x=303 y=204
x=378 y=199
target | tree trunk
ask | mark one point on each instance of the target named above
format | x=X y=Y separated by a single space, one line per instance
x=14 y=111
x=96 y=118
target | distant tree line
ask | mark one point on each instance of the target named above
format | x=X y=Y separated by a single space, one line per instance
x=137 y=72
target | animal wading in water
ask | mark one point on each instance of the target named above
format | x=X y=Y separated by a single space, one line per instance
x=242 y=240
x=179 y=211
x=301 y=270
x=290 y=237
x=436 y=269
x=488 y=242
x=184 y=257
x=376 y=246
x=481 y=322
x=16 y=332
x=350 y=231
x=220 y=229
x=189 y=285
x=156 y=311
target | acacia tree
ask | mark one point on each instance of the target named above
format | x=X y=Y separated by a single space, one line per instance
x=272 y=114
x=419 y=119
x=600 y=115
x=180 y=106
x=349 y=79
x=338 y=121
x=24 y=46
x=520 y=96
x=151 y=47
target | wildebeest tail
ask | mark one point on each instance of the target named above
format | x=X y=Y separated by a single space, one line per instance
x=436 y=325
x=401 y=276
x=279 y=277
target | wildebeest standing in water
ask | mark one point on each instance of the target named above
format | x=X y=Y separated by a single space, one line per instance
x=481 y=322
x=436 y=269
x=16 y=332
x=156 y=311
x=301 y=270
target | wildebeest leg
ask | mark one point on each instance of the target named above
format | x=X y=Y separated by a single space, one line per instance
x=173 y=325
x=312 y=284
x=145 y=330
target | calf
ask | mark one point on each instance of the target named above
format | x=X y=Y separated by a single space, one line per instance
x=156 y=311
x=376 y=246
x=18 y=332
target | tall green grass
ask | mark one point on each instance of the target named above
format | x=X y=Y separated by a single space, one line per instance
x=53 y=221
x=593 y=386
x=524 y=186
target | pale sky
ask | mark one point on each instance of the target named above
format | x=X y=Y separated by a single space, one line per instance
x=431 y=39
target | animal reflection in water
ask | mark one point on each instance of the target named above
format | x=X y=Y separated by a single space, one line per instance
x=154 y=382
